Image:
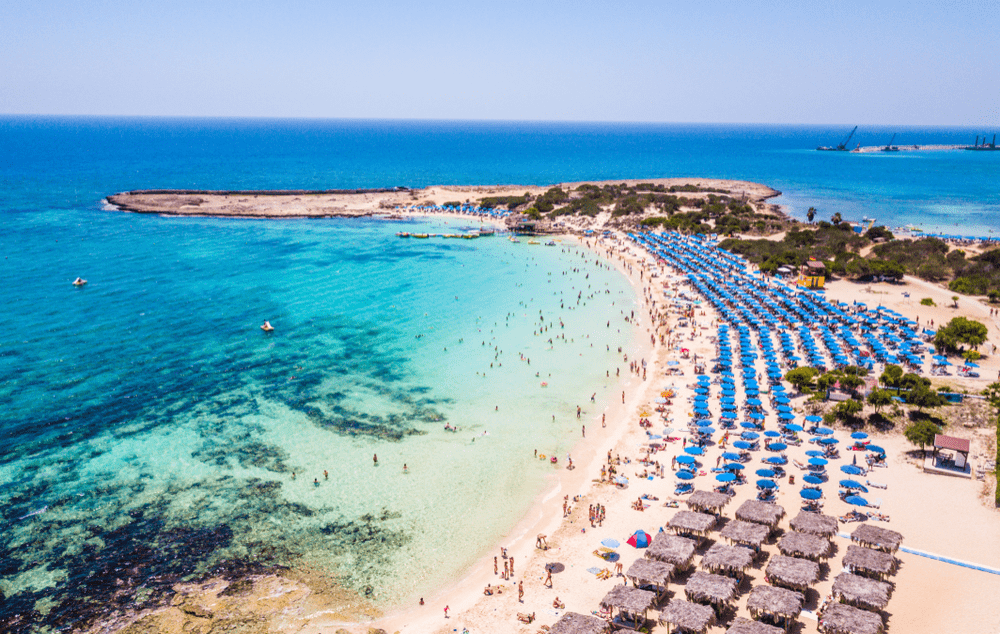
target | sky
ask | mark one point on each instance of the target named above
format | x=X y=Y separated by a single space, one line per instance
x=915 y=62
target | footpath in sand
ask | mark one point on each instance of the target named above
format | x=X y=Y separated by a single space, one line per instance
x=936 y=514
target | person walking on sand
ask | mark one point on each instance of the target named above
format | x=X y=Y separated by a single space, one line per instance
x=583 y=430
x=511 y=564
x=520 y=591
x=603 y=417
x=446 y=611
x=495 y=571
x=548 y=579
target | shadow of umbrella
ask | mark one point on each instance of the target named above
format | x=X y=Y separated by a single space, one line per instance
x=555 y=567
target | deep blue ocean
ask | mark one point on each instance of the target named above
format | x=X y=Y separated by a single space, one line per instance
x=149 y=431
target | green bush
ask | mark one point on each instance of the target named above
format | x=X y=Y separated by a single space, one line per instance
x=927 y=301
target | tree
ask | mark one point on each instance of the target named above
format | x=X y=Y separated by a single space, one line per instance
x=921 y=433
x=891 y=376
x=811 y=214
x=992 y=394
x=851 y=383
x=802 y=378
x=836 y=218
x=958 y=331
x=847 y=411
x=879 y=399
x=923 y=397
x=954 y=298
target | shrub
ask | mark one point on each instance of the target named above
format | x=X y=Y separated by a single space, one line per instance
x=927 y=301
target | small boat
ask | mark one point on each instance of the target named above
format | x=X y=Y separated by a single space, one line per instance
x=532 y=241
x=550 y=243
x=403 y=234
x=79 y=282
x=513 y=239
x=421 y=235
x=267 y=327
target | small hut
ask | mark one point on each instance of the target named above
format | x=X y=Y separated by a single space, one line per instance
x=877 y=538
x=573 y=623
x=672 y=549
x=731 y=561
x=746 y=533
x=743 y=625
x=793 y=573
x=760 y=513
x=815 y=524
x=707 y=502
x=687 y=616
x=704 y=587
x=648 y=573
x=631 y=603
x=779 y=604
x=861 y=592
x=692 y=524
x=844 y=619
x=794 y=544
x=869 y=563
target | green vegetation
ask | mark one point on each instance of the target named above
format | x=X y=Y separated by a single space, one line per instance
x=802 y=378
x=992 y=394
x=879 y=399
x=921 y=433
x=960 y=331
x=510 y=202
x=847 y=411
x=927 y=301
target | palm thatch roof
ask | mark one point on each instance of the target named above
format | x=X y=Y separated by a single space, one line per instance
x=687 y=616
x=629 y=600
x=791 y=572
x=877 y=537
x=727 y=559
x=648 y=572
x=760 y=513
x=707 y=501
x=747 y=533
x=861 y=591
x=779 y=602
x=815 y=524
x=844 y=619
x=672 y=549
x=796 y=544
x=691 y=523
x=573 y=623
x=869 y=562
x=743 y=625
x=715 y=589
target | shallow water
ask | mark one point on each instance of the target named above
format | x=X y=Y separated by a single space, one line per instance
x=153 y=430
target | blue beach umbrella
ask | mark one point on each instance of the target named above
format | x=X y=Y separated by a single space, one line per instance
x=778 y=460
x=685 y=459
x=859 y=435
x=754 y=402
x=725 y=477
x=814 y=419
x=772 y=434
x=767 y=484
x=853 y=484
x=733 y=466
x=742 y=444
x=852 y=469
x=765 y=473
x=856 y=500
x=824 y=431
x=812 y=479
x=811 y=494
x=729 y=455
x=782 y=400
x=694 y=451
x=815 y=453
x=828 y=441
x=756 y=416
x=701 y=398
x=746 y=425
x=793 y=427
x=706 y=430
x=684 y=475
x=610 y=543
x=875 y=449
x=784 y=409
x=778 y=446
x=818 y=462
x=749 y=435
x=786 y=416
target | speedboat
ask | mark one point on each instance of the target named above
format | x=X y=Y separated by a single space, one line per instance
x=267 y=327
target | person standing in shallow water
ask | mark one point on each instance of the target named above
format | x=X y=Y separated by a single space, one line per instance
x=375 y=460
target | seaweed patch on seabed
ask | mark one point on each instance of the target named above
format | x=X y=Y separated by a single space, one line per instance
x=129 y=559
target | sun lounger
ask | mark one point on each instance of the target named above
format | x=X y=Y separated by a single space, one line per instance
x=877 y=485
x=799 y=465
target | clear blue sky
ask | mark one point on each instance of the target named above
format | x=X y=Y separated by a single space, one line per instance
x=915 y=62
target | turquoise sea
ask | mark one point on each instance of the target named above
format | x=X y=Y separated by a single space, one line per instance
x=150 y=430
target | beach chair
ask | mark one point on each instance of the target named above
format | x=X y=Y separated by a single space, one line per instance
x=876 y=504
x=876 y=485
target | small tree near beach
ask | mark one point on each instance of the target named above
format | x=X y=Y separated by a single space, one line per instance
x=802 y=378
x=847 y=411
x=921 y=433
x=960 y=331
x=891 y=376
x=879 y=399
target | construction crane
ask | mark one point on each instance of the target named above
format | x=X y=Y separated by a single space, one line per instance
x=985 y=147
x=841 y=147
x=891 y=147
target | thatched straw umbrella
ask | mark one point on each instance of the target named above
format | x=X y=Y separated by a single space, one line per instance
x=861 y=592
x=704 y=587
x=688 y=617
x=692 y=524
x=760 y=513
x=743 y=625
x=631 y=602
x=869 y=563
x=707 y=502
x=815 y=524
x=672 y=549
x=746 y=533
x=804 y=545
x=727 y=560
x=844 y=619
x=877 y=538
x=573 y=623
x=790 y=572
x=647 y=572
x=777 y=603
